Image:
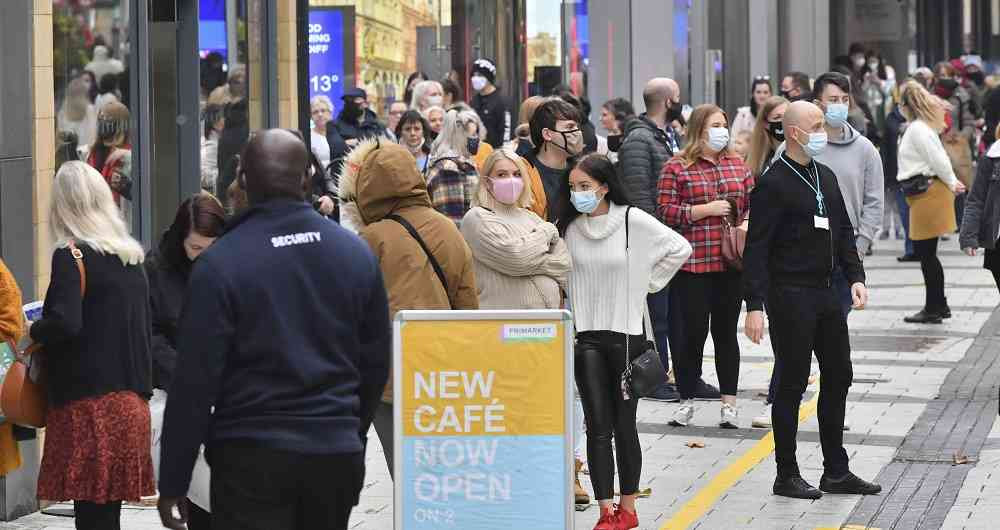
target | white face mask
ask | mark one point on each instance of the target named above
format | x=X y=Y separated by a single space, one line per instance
x=478 y=82
x=718 y=138
x=435 y=101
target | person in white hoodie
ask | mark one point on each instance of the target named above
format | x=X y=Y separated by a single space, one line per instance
x=620 y=254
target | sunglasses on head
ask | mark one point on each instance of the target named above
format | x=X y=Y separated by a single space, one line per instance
x=762 y=78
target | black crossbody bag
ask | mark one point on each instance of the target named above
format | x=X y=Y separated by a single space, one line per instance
x=915 y=185
x=645 y=373
x=430 y=257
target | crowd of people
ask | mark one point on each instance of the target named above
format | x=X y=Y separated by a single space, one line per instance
x=453 y=205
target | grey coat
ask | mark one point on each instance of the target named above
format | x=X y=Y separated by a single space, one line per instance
x=981 y=221
x=645 y=150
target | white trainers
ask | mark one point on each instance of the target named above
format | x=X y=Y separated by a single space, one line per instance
x=729 y=415
x=684 y=414
x=763 y=421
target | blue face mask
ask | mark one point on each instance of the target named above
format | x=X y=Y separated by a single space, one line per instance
x=718 y=138
x=816 y=143
x=472 y=144
x=584 y=201
x=836 y=114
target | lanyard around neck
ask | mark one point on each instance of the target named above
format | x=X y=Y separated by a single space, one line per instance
x=816 y=188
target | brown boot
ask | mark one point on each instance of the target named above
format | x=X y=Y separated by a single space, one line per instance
x=579 y=493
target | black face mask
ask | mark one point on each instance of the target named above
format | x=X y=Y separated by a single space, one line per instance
x=352 y=111
x=614 y=142
x=949 y=84
x=978 y=78
x=776 y=130
x=674 y=112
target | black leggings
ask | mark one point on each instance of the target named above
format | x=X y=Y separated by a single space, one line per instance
x=600 y=361
x=930 y=266
x=700 y=303
x=93 y=516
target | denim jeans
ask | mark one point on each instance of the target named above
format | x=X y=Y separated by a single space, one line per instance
x=904 y=214
x=658 y=313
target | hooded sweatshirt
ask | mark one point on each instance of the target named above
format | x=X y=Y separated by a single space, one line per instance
x=385 y=181
x=858 y=166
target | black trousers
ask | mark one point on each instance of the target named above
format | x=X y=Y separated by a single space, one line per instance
x=600 y=362
x=700 y=303
x=384 y=429
x=198 y=519
x=93 y=516
x=804 y=320
x=254 y=488
x=930 y=266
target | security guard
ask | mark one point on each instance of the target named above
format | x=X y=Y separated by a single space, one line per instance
x=799 y=232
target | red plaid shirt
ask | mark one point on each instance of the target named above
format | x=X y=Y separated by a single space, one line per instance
x=682 y=188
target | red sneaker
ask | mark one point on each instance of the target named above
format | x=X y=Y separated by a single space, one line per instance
x=609 y=519
x=626 y=519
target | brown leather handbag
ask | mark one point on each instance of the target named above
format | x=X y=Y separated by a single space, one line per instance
x=734 y=237
x=23 y=399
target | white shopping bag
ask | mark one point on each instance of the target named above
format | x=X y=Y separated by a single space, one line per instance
x=201 y=478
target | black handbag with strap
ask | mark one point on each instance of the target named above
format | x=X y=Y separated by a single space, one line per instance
x=915 y=185
x=430 y=257
x=644 y=374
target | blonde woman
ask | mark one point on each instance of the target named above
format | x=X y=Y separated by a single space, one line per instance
x=97 y=443
x=77 y=114
x=452 y=178
x=698 y=188
x=435 y=118
x=521 y=262
x=427 y=94
x=768 y=133
x=930 y=185
x=321 y=109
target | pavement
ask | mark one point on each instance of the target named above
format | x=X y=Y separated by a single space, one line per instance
x=923 y=414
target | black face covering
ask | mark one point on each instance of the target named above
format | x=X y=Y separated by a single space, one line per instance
x=776 y=130
x=674 y=112
x=352 y=111
x=977 y=77
x=614 y=142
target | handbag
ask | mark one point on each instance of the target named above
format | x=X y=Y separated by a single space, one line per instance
x=734 y=237
x=915 y=185
x=644 y=374
x=22 y=398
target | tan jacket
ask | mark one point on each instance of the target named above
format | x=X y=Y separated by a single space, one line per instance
x=385 y=181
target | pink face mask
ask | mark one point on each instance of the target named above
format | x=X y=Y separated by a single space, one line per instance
x=507 y=190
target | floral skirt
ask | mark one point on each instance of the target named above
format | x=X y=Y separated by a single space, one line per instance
x=98 y=450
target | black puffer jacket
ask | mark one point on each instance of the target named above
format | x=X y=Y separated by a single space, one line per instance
x=644 y=151
x=981 y=221
x=167 y=285
x=344 y=130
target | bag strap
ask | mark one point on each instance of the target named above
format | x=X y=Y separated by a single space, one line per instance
x=78 y=258
x=430 y=257
x=628 y=297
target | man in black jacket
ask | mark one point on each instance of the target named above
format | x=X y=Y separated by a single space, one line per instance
x=280 y=363
x=355 y=122
x=799 y=232
x=489 y=103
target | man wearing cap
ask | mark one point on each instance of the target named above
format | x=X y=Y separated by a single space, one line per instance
x=491 y=106
x=354 y=123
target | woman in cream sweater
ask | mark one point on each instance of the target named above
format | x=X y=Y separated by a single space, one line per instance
x=620 y=255
x=932 y=212
x=521 y=262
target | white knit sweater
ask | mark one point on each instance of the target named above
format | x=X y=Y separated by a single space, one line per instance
x=521 y=262
x=602 y=299
x=922 y=153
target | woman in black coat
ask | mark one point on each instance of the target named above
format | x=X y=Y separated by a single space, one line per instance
x=199 y=221
x=981 y=220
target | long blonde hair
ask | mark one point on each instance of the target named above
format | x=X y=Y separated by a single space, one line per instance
x=918 y=104
x=761 y=142
x=696 y=125
x=484 y=198
x=83 y=210
x=453 y=135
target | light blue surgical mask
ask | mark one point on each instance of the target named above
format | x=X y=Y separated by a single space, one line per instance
x=584 y=201
x=836 y=114
x=718 y=138
x=816 y=143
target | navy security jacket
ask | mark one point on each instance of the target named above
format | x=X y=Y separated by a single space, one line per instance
x=285 y=332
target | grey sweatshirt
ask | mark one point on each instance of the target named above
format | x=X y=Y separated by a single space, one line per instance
x=858 y=167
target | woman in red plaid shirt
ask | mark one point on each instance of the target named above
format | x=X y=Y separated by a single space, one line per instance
x=697 y=189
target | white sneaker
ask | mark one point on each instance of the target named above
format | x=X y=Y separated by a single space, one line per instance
x=763 y=421
x=729 y=416
x=684 y=414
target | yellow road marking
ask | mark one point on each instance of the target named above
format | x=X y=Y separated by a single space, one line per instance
x=706 y=496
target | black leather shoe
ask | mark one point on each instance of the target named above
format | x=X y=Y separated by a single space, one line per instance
x=906 y=258
x=924 y=317
x=796 y=488
x=851 y=484
x=665 y=392
x=705 y=391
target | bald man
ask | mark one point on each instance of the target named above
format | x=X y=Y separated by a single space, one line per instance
x=799 y=232
x=648 y=141
x=280 y=363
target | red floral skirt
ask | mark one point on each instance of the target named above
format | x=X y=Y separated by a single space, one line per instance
x=98 y=450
